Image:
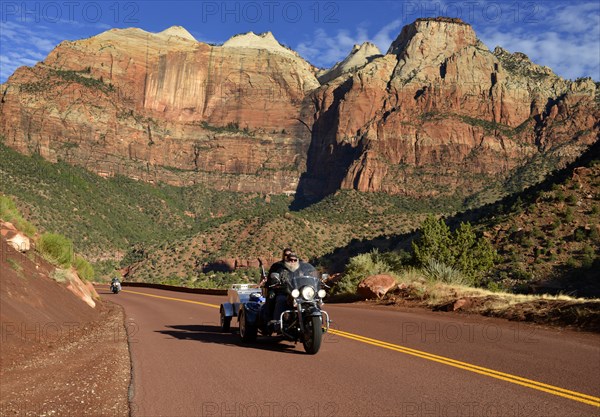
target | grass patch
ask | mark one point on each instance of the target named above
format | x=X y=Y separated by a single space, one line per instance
x=61 y=275
x=57 y=249
x=416 y=287
x=10 y=213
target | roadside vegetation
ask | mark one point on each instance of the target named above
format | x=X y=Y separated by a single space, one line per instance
x=454 y=258
x=10 y=213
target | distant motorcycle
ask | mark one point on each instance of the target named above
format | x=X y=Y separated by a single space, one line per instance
x=115 y=287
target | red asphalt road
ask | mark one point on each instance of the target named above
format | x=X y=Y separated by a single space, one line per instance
x=184 y=366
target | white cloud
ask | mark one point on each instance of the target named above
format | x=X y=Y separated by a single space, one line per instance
x=566 y=38
x=26 y=44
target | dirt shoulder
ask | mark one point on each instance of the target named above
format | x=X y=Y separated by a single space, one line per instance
x=579 y=314
x=58 y=355
x=84 y=371
x=548 y=310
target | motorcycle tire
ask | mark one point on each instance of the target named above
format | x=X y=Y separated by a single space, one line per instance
x=248 y=331
x=225 y=322
x=313 y=335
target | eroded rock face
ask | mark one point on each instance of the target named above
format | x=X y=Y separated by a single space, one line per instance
x=132 y=102
x=440 y=113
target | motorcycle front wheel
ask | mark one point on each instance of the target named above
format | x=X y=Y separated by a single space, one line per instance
x=313 y=335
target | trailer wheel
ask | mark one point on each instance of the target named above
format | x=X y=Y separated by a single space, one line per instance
x=225 y=321
x=248 y=332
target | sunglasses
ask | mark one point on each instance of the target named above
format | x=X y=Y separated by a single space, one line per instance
x=292 y=259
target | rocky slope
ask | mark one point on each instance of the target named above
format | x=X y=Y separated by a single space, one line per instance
x=439 y=113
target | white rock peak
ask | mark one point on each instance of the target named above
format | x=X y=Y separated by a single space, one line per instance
x=261 y=41
x=178 y=31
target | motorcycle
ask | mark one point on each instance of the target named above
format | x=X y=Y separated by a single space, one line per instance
x=302 y=319
x=115 y=287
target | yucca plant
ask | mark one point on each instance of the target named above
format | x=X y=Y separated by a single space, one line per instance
x=439 y=271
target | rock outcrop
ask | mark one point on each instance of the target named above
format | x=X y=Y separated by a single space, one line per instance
x=438 y=114
x=375 y=286
x=14 y=237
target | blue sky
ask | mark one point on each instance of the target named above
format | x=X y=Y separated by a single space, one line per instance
x=564 y=35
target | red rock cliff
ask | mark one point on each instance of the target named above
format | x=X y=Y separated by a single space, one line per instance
x=441 y=113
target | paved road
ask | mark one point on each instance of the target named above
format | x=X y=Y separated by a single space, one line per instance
x=376 y=362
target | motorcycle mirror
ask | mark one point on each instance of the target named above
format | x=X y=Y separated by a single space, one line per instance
x=275 y=276
x=324 y=277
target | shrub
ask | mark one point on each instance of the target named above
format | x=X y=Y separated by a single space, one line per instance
x=359 y=268
x=84 y=268
x=461 y=250
x=568 y=215
x=580 y=234
x=56 y=248
x=434 y=242
x=572 y=263
x=521 y=274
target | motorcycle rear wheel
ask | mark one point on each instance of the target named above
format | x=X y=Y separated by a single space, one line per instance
x=248 y=331
x=313 y=335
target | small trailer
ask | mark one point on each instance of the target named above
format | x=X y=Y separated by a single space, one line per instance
x=238 y=294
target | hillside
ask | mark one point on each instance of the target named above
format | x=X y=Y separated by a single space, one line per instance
x=549 y=240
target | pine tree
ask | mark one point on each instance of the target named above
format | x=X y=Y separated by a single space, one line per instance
x=461 y=250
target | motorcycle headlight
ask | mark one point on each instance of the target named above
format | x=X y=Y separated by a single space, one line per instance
x=308 y=293
x=321 y=293
x=295 y=293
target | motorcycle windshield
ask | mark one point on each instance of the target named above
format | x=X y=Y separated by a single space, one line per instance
x=297 y=283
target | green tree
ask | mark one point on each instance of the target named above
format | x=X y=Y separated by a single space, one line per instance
x=434 y=242
x=461 y=250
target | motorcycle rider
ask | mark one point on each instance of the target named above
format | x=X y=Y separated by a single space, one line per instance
x=287 y=269
x=114 y=282
x=266 y=281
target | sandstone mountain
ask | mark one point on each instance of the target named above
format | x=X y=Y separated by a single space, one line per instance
x=438 y=114
x=166 y=107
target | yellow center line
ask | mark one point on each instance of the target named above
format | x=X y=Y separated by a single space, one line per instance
x=551 y=389
x=173 y=299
